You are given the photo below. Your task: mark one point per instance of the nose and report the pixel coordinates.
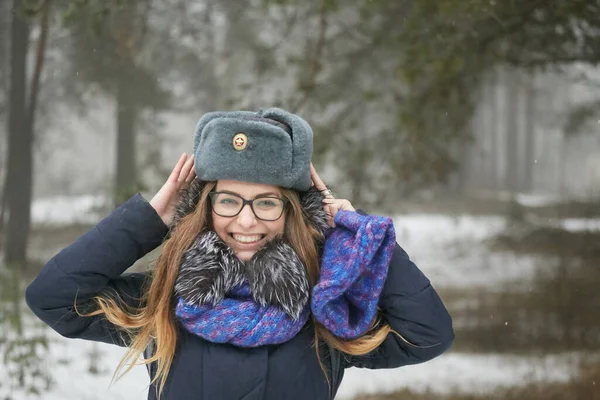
(246, 218)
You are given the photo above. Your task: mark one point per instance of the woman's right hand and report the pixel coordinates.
(166, 199)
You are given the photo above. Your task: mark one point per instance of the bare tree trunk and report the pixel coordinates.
(18, 175)
(530, 118)
(495, 130)
(472, 169)
(129, 32)
(4, 71)
(486, 130)
(4, 37)
(39, 66)
(125, 172)
(4, 80)
(19, 179)
(512, 132)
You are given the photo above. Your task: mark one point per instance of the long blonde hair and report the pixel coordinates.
(155, 319)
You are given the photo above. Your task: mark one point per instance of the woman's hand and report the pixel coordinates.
(166, 199)
(331, 205)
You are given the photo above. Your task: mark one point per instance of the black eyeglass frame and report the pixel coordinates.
(245, 202)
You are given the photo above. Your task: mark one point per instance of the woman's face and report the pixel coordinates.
(244, 233)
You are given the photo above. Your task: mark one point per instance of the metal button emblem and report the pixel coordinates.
(240, 141)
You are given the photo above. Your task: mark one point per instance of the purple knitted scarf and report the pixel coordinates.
(238, 319)
(267, 300)
(353, 270)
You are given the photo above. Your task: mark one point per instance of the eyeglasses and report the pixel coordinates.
(268, 208)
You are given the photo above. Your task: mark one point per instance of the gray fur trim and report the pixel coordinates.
(209, 269)
(188, 200)
(312, 209)
(278, 277)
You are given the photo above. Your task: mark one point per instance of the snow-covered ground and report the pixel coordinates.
(447, 248)
(63, 210)
(464, 373)
(68, 361)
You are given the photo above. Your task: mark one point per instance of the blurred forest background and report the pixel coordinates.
(481, 114)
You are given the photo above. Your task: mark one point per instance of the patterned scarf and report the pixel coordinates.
(266, 300)
(224, 300)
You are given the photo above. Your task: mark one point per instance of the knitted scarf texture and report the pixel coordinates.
(267, 299)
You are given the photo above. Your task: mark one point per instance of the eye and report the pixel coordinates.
(228, 200)
(267, 203)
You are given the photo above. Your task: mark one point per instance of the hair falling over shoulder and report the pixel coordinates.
(155, 319)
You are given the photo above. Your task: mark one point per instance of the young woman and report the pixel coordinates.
(267, 287)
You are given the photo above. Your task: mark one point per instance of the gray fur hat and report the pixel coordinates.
(272, 147)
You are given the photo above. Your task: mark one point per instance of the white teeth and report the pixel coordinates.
(247, 239)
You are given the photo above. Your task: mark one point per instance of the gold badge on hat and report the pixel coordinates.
(240, 141)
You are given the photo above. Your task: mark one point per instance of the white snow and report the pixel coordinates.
(68, 361)
(450, 372)
(450, 251)
(64, 210)
(465, 373)
(580, 224)
(525, 199)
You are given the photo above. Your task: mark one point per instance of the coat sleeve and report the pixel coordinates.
(94, 264)
(414, 310)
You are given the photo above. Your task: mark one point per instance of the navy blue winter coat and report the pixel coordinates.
(203, 370)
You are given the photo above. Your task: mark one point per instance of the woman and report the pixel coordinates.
(267, 287)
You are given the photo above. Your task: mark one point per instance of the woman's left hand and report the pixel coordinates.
(331, 205)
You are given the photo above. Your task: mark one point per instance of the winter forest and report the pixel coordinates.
(474, 124)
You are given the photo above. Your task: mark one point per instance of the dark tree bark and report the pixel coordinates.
(496, 131)
(125, 173)
(21, 128)
(530, 117)
(512, 132)
(18, 175)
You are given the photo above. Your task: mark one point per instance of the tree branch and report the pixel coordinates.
(39, 62)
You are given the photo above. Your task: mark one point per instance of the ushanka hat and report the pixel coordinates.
(271, 146)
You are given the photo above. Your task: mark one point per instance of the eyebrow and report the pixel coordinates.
(258, 195)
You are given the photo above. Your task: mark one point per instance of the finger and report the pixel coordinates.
(330, 200)
(336, 200)
(316, 179)
(174, 176)
(338, 204)
(329, 216)
(332, 211)
(191, 175)
(185, 170)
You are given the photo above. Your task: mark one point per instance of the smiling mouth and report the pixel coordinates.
(247, 239)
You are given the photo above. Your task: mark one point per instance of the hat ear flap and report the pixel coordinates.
(302, 141)
(188, 201)
(312, 209)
